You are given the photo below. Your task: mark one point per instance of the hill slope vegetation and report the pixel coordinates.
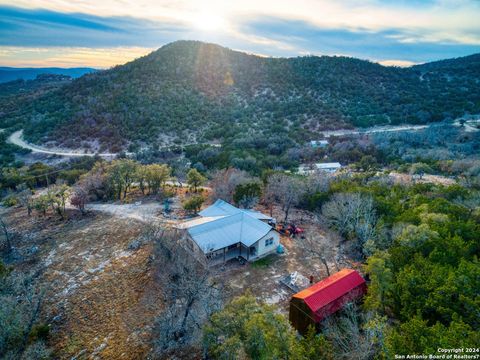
(189, 90)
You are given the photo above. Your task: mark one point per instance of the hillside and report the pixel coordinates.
(12, 73)
(192, 91)
(14, 95)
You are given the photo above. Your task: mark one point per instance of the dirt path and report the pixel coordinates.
(143, 212)
(379, 129)
(434, 179)
(17, 139)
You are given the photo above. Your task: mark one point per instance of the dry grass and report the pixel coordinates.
(100, 297)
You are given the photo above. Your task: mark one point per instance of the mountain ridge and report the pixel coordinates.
(189, 90)
(30, 73)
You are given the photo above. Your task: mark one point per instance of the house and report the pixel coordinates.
(327, 167)
(223, 232)
(319, 143)
(312, 305)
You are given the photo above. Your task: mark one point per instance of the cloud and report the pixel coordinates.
(377, 46)
(39, 27)
(404, 31)
(442, 20)
(399, 63)
(69, 56)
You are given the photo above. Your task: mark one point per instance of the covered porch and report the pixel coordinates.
(231, 252)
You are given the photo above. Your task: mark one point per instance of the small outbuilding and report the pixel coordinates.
(312, 305)
(307, 169)
(319, 143)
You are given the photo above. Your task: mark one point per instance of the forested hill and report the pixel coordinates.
(197, 91)
(11, 73)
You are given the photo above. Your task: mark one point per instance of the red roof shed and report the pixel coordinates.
(312, 305)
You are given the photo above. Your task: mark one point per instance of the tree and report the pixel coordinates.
(368, 163)
(286, 190)
(419, 169)
(7, 236)
(195, 179)
(320, 247)
(95, 183)
(415, 336)
(314, 346)
(224, 183)
(190, 294)
(353, 334)
(121, 175)
(79, 198)
(57, 197)
(246, 327)
(381, 282)
(141, 177)
(25, 198)
(194, 203)
(41, 204)
(247, 195)
(352, 215)
(156, 176)
(20, 306)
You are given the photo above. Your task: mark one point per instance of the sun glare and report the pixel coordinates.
(208, 21)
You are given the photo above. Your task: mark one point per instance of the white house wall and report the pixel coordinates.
(260, 244)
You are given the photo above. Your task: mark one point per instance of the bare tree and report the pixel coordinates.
(79, 198)
(95, 181)
(352, 215)
(7, 242)
(320, 247)
(355, 335)
(225, 182)
(190, 293)
(25, 197)
(285, 190)
(319, 181)
(20, 305)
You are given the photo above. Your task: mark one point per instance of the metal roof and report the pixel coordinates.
(328, 165)
(330, 289)
(228, 230)
(223, 208)
(256, 214)
(321, 142)
(197, 221)
(219, 208)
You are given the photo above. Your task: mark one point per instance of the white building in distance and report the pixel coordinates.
(307, 169)
(319, 143)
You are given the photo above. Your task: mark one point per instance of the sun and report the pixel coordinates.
(208, 21)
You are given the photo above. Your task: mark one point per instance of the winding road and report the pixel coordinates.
(16, 138)
(379, 129)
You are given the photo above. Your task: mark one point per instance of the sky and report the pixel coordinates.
(104, 33)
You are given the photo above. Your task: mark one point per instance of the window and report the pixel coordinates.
(269, 242)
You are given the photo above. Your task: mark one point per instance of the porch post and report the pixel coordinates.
(248, 252)
(224, 254)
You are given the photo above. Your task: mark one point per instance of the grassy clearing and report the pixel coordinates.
(263, 262)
